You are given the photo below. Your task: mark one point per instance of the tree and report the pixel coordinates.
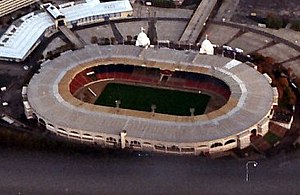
(287, 99)
(296, 25)
(283, 82)
(94, 40)
(129, 38)
(102, 41)
(164, 3)
(49, 55)
(265, 64)
(106, 41)
(273, 21)
(113, 40)
(288, 71)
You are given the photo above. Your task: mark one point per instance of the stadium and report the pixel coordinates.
(62, 98)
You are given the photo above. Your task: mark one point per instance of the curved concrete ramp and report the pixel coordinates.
(196, 23)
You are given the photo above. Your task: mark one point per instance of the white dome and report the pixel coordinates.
(142, 40)
(207, 47)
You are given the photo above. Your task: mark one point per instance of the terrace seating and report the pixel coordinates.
(191, 84)
(175, 82)
(86, 77)
(101, 76)
(80, 79)
(74, 87)
(129, 73)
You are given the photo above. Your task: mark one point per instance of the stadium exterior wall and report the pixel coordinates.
(237, 140)
(240, 141)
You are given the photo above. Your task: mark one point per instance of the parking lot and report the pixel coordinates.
(290, 8)
(12, 76)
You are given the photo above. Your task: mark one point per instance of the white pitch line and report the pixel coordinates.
(92, 92)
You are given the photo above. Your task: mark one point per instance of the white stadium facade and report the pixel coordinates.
(53, 96)
(247, 110)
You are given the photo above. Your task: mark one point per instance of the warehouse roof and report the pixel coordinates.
(20, 37)
(89, 9)
(23, 35)
(9, 6)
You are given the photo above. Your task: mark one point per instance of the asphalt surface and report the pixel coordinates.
(287, 8)
(36, 172)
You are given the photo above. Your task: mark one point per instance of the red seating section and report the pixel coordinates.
(82, 79)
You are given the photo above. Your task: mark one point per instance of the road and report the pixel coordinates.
(260, 32)
(36, 172)
(198, 21)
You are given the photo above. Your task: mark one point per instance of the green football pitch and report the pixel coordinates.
(167, 101)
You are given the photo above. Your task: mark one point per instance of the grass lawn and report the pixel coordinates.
(141, 98)
(271, 138)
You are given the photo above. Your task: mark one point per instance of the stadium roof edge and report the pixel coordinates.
(244, 110)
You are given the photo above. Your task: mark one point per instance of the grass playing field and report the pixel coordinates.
(141, 98)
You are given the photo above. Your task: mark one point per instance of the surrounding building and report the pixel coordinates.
(9, 6)
(23, 36)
